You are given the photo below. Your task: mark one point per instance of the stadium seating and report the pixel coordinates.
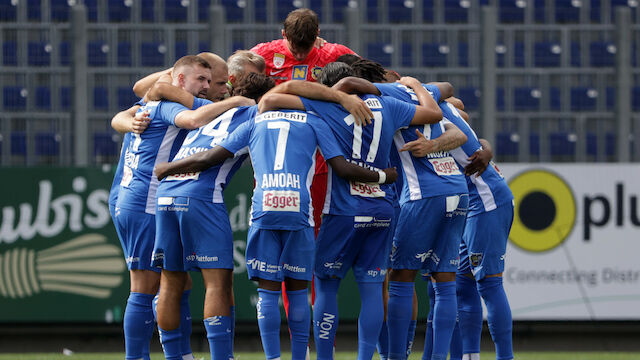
(43, 98)
(104, 145)
(526, 99)
(8, 11)
(14, 98)
(583, 98)
(100, 98)
(37, 54)
(10, 53)
(18, 143)
(152, 54)
(126, 97)
(47, 144)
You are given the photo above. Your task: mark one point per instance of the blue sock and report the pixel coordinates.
(299, 319)
(171, 343)
(428, 336)
(399, 311)
(383, 342)
(269, 321)
(325, 316)
(185, 323)
(498, 315)
(455, 349)
(218, 330)
(411, 335)
(469, 314)
(370, 318)
(233, 330)
(138, 325)
(444, 318)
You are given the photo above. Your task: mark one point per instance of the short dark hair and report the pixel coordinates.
(253, 85)
(334, 72)
(348, 58)
(369, 70)
(301, 28)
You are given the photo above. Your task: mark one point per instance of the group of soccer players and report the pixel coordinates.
(393, 180)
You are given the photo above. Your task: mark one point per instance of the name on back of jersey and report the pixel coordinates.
(373, 103)
(188, 150)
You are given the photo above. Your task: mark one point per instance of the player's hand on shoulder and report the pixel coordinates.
(392, 175)
(243, 101)
(421, 146)
(360, 111)
(410, 82)
(478, 162)
(161, 170)
(140, 122)
(320, 42)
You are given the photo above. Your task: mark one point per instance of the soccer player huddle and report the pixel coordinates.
(385, 168)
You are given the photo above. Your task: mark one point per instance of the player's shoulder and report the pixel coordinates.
(335, 50)
(267, 48)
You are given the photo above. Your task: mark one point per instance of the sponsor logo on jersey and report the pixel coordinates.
(281, 115)
(475, 259)
(299, 72)
(445, 166)
(278, 60)
(315, 72)
(366, 189)
(275, 72)
(276, 200)
(185, 176)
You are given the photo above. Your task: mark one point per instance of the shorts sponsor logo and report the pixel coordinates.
(370, 222)
(333, 265)
(475, 259)
(201, 258)
(366, 190)
(376, 272)
(275, 200)
(256, 264)
(428, 255)
(131, 259)
(445, 166)
(293, 268)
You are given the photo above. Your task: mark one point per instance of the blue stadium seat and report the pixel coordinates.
(574, 56)
(555, 96)
(118, 11)
(561, 144)
(511, 11)
(8, 11)
(434, 55)
(150, 54)
(47, 144)
(100, 98)
(611, 98)
(10, 53)
(456, 11)
(18, 143)
(13, 98)
(546, 54)
(505, 144)
(234, 13)
(534, 144)
(34, 12)
(566, 12)
(283, 8)
(103, 145)
(37, 54)
(60, 10)
(124, 54)
(500, 98)
(602, 53)
(126, 98)
(583, 99)
(372, 11)
(204, 46)
(174, 11)
(261, 10)
(470, 97)
(180, 49)
(96, 55)
(237, 45)
(526, 99)
(635, 99)
(65, 53)
(463, 54)
(380, 52)
(427, 11)
(43, 98)
(92, 10)
(609, 144)
(407, 55)
(66, 95)
(398, 12)
(518, 54)
(316, 6)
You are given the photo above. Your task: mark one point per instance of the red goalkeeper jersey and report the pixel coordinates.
(281, 66)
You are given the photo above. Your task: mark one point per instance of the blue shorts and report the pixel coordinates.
(137, 231)
(484, 242)
(276, 254)
(428, 234)
(192, 234)
(361, 242)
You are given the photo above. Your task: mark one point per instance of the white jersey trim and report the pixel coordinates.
(310, 174)
(221, 179)
(411, 177)
(164, 151)
(484, 191)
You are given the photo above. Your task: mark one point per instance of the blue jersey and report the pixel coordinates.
(208, 185)
(115, 186)
(158, 143)
(488, 191)
(433, 175)
(367, 146)
(282, 145)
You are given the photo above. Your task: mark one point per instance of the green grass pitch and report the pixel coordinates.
(339, 356)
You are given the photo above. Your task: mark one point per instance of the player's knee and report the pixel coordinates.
(444, 276)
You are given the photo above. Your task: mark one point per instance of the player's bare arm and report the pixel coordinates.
(196, 162)
(164, 90)
(356, 85)
(428, 112)
(452, 138)
(310, 90)
(446, 89)
(353, 172)
(143, 85)
(458, 104)
(479, 160)
(193, 119)
(128, 121)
